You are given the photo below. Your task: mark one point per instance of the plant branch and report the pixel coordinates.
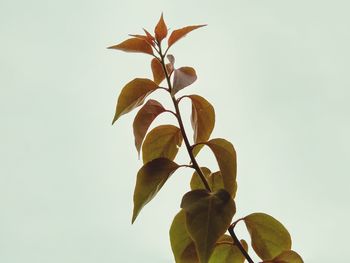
(189, 150)
(239, 245)
(181, 125)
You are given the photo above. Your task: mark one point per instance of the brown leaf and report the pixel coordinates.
(157, 70)
(135, 44)
(183, 77)
(202, 120)
(161, 29)
(144, 119)
(180, 33)
(133, 95)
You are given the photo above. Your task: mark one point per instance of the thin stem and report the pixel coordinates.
(189, 150)
(239, 245)
(181, 125)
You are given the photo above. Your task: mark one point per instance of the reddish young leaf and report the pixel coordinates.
(133, 95)
(183, 77)
(150, 179)
(208, 215)
(180, 33)
(144, 119)
(161, 30)
(269, 237)
(162, 141)
(157, 70)
(202, 120)
(136, 45)
(148, 34)
(145, 38)
(225, 155)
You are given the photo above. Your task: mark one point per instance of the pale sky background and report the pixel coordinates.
(275, 71)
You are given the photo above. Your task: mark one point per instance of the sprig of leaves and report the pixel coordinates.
(198, 231)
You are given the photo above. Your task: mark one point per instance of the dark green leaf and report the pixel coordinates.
(208, 215)
(150, 179)
(162, 141)
(133, 95)
(269, 237)
(144, 119)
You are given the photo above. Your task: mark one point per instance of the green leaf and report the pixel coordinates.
(150, 179)
(134, 45)
(202, 120)
(289, 256)
(162, 141)
(226, 252)
(183, 77)
(180, 33)
(214, 180)
(157, 71)
(144, 119)
(208, 215)
(182, 245)
(161, 29)
(269, 237)
(225, 155)
(133, 95)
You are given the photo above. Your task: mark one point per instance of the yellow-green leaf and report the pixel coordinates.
(144, 119)
(150, 179)
(208, 215)
(288, 256)
(225, 155)
(135, 45)
(214, 180)
(162, 141)
(157, 71)
(180, 33)
(183, 77)
(133, 95)
(161, 30)
(269, 237)
(182, 245)
(202, 120)
(226, 252)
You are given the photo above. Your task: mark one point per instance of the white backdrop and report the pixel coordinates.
(276, 72)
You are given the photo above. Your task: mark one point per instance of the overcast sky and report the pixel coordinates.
(277, 73)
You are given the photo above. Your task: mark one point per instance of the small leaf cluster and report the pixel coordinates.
(198, 233)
